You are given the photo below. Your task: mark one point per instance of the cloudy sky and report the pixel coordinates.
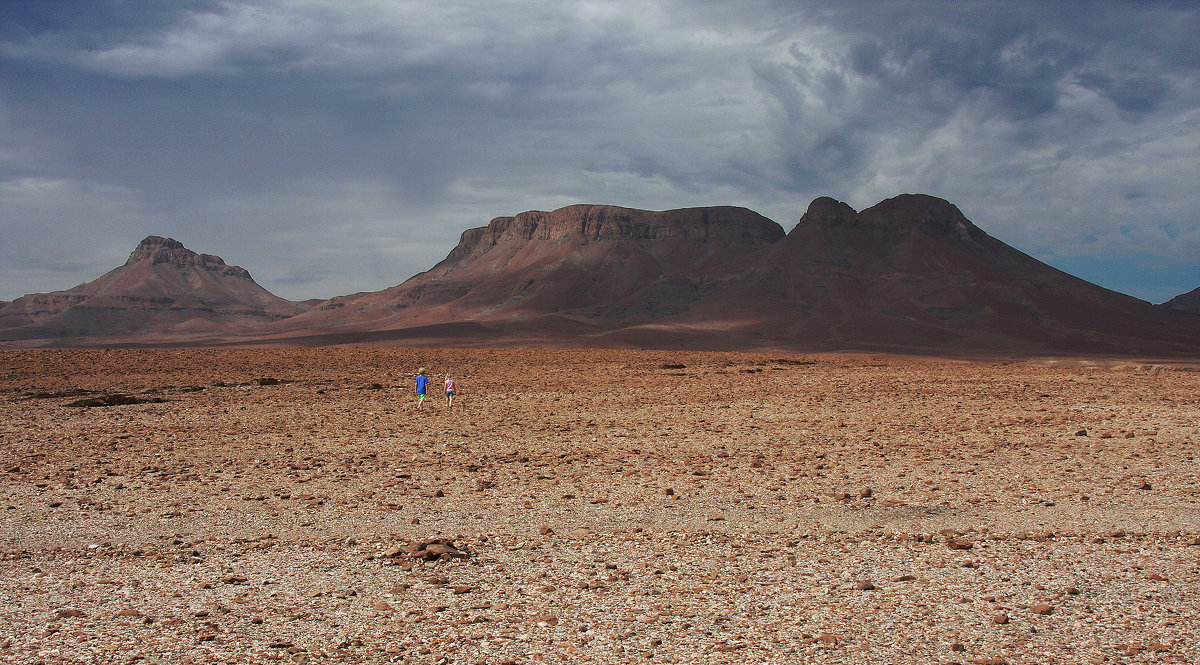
(334, 146)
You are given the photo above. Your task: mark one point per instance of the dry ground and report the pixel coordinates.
(614, 506)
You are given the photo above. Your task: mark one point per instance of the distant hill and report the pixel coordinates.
(164, 291)
(909, 274)
(1187, 302)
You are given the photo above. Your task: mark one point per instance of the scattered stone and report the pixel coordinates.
(436, 548)
(1042, 609)
(1000, 618)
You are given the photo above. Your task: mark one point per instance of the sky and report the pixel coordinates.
(334, 146)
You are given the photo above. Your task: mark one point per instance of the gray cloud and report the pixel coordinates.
(334, 147)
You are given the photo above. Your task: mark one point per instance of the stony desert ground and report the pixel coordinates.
(276, 505)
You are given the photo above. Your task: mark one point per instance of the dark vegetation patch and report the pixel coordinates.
(114, 399)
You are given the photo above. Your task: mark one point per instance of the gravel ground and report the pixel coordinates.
(596, 506)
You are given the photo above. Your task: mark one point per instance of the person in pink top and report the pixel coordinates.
(449, 391)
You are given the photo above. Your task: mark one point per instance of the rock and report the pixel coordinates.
(865, 585)
(68, 613)
(1042, 609)
(436, 548)
(1000, 618)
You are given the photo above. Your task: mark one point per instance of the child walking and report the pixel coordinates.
(422, 386)
(449, 391)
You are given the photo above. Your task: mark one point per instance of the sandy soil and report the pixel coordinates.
(609, 506)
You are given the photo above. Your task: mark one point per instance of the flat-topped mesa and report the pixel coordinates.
(588, 223)
(157, 249)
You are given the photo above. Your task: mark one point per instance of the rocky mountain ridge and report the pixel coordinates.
(911, 274)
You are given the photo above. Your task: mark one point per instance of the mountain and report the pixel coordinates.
(163, 291)
(912, 272)
(1187, 302)
(909, 274)
(577, 271)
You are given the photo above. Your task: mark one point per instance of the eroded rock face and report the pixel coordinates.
(158, 250)
(588, 223)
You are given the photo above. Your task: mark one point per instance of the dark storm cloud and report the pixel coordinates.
(344, 146)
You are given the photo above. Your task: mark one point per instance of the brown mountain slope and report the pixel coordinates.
(163, 290)
(911, 273)
(1186, 302)
(574, 271)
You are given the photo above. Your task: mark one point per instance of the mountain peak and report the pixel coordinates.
(158, 250)
(933, 216)
(826, 211)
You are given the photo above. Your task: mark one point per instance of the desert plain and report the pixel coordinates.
(292, 505)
